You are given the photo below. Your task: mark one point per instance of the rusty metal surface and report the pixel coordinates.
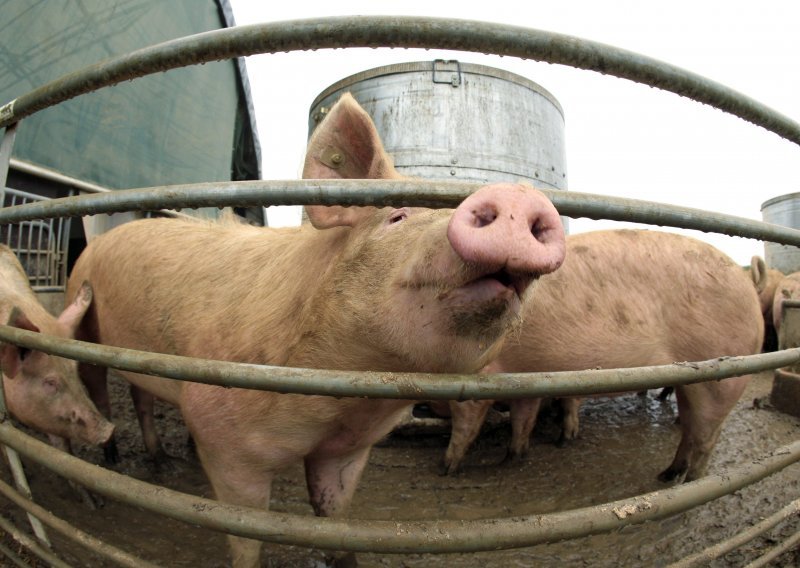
(402, 31)
(418, 386)
(439, 536)
(120, 557)
(385, 193)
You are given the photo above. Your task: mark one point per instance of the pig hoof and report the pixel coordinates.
(665, 392)
(110, 452)
(671, 475)
(163, 462)
(513, 457)
(449, 469)
(342, 560)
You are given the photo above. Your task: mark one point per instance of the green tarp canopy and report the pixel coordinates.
(188, 125)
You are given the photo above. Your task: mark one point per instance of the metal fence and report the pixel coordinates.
(40, 245)
(423, 536)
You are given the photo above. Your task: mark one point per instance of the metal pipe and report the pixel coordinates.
(13, 556)
(408, 32)
(57, 177)
(704, 557)
(420, 386)
(383, 193)
(788, 544)
(17, 471)
(6, 145)
(435, 536)
(32, 545)
(106, 550)
(21, 481)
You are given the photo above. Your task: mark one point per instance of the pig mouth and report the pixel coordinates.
(497, 286)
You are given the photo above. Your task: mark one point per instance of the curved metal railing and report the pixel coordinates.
(432, 536)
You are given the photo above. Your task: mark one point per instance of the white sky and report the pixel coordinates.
(622, 138)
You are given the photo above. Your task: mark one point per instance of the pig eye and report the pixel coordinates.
(51, 384)
(398, 215)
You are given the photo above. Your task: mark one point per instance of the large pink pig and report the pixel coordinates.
(41, 390)
(626, 299)
(404, 289)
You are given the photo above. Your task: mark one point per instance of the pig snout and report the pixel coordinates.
(511, 228)
(101, 432)
(87, 425)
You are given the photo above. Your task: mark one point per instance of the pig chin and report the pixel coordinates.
(487, 320)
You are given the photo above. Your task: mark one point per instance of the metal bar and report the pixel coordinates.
(13, 556)
(85, 539)
(52, 175)
(403, 386)
(32, 545)
(6, 145)
(402, 536)
(704, 557)
(384, 193)
(57, 177)
(17, 471)
(786, 545)
(401, 31)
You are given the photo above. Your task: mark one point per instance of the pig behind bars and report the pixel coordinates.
(626, 299)
(44, 391)
(787, 288)
(389, 289)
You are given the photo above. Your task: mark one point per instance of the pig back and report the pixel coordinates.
(628, 298)
(207, 290)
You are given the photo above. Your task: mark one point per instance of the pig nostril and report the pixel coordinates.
(484, 216)
(538, 231)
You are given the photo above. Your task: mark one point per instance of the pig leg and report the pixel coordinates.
(702, 409)
(331, 481)
(523, 418)
(248, 487)
(144, 403)
(96, 380)
(466, 419)
(570, 421)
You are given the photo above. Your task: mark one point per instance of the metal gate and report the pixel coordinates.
(411, 536)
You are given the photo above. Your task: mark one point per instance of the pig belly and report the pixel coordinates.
(168, 390)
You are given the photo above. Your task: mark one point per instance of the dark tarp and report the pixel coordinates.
(188, 125)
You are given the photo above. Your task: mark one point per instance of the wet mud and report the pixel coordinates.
(624, 443)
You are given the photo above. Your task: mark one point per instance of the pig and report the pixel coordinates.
(628, 298)
(787, 288)
(41, 390)
(384, 289)
(766, 281)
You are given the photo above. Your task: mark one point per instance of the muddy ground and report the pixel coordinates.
(624, 443)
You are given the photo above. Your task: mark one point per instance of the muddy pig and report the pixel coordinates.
(630, 298)
(44, 391)
(385, 289)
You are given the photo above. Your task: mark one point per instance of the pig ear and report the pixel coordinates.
(73, 314)
(12, 356)
(345, 145)
(758, 272)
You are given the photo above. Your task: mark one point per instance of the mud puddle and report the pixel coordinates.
(624, 443)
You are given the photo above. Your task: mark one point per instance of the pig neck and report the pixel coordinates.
(329, 335)
(17, 293)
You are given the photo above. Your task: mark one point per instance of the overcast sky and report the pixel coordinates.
(622, 138)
